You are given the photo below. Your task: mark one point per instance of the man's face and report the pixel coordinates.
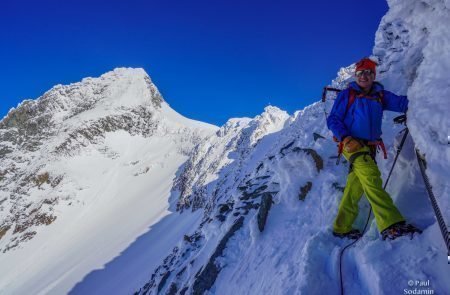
(365, 78)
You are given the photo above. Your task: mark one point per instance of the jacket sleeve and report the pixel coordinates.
(395, 103)
(335, 120)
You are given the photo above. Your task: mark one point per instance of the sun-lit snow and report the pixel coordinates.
(147, 204)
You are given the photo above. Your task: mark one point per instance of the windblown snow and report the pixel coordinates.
(107, 190)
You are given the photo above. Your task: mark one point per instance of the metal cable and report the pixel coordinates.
(434, 204)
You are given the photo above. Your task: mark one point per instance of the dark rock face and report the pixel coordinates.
(316, 157)
(224, 208)
(172, 290)
(205, 278)
(254, 194)
(3, 230)
(338, 187)
(184, 290)
(136, 121)
(286, 147)
(163, 281)
(266, 204)
(304, 190)
(317, 136)
(157, 99)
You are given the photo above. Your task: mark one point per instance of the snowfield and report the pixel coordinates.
(104, 189)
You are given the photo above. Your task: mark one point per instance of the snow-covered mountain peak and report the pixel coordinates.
(271, 120)
(133, 86)
(233, 125)
(89, 99)
(273, 113)
(124, 72)
(102, 146)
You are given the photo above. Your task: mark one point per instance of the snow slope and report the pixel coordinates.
(94, 178)
(246, 244)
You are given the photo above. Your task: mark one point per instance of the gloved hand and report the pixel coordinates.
(351, 145)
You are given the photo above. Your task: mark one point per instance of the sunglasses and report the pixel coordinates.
(363, 73)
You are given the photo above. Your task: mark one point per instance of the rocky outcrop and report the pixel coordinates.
(304, 190)
(207, 276)
(266, 204)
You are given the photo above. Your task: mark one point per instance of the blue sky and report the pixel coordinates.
(211, 60)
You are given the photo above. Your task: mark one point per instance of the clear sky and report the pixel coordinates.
(211, 60)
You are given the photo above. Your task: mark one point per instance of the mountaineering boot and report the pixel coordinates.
(354, 234)
(399, 229)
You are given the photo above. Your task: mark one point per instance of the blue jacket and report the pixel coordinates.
(363, 118)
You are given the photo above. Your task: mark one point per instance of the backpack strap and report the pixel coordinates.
(351, 100)
(381, 96)
(378, 96)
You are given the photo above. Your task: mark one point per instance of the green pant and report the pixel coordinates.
(365, 178)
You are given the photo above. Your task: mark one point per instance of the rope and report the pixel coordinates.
(437, 211)
(399, 149)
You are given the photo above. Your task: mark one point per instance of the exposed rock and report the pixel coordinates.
(221, 217)
(316, 157)
(286, 147)
(136, 121)
(163, 281)
(181, 271)
(41, 218)
(249, 206)
(187, 238)
(3, 230)
(266, 204)
(27, 236)
(207, 276)
(338, 187)
(256, 193)
(225, 208)
(261, 165)
(317, 136)
(304, 190)
(42, 178)
(172, 290)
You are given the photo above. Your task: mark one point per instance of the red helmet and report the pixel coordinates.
(365, 64)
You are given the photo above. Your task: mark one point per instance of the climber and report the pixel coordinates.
(355, 121)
